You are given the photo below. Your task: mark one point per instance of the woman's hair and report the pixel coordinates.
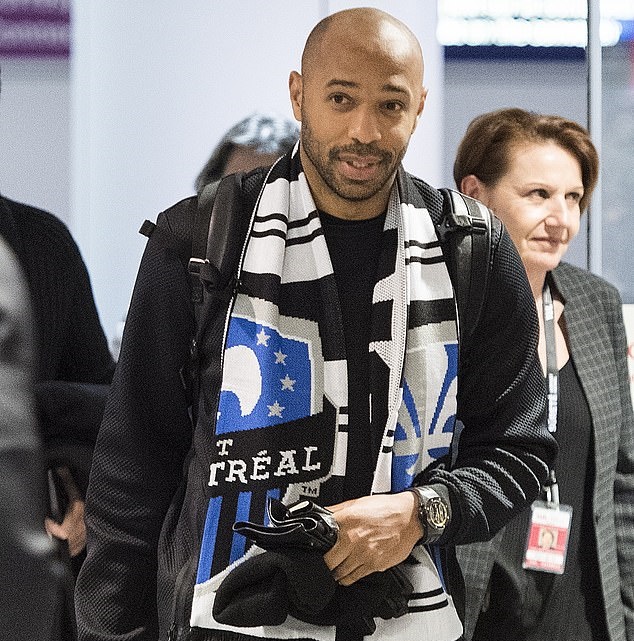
(486, 147)
(261, 133)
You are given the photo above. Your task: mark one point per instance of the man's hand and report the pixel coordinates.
(375, 533)
(72, 528)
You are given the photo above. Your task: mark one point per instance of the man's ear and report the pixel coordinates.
(296, 89)
(472, 186)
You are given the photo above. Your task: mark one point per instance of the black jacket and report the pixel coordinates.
(73, 366)
(144, 510)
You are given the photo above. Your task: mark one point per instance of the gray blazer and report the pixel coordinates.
(594, 318)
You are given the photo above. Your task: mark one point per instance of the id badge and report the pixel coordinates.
(547, 540)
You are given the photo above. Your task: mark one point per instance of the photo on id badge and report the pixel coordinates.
(547, 539)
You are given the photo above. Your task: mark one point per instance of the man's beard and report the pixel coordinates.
(345, 188)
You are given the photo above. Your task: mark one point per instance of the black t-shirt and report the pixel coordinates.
(355, 247)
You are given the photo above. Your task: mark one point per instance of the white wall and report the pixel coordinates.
(156, 83)
(35, 133)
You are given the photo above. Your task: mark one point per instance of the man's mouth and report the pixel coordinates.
(359, 168)
(360, 162)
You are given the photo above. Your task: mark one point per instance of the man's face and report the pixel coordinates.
(358, 108)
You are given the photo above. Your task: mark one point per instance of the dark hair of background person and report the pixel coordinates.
(263, 136)
(485, 148)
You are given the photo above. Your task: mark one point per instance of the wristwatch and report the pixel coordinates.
(434, 513)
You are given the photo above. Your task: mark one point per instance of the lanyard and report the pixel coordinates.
(552, 381)
(552, 373)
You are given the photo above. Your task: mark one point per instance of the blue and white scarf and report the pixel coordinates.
(282, 420)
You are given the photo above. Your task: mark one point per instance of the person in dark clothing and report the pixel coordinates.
(331, 376)
(32, 589)
(71, 378)
(73, 363)
(537, 172)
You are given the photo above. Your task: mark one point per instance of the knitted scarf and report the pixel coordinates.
(282, 419)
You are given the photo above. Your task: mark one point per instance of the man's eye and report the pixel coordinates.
(393, 106)
(339, 99)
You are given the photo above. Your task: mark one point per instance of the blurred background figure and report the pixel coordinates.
(32, 578)
(257, 141)
(73, 364)
(72, 370)
(537, 173)
(71, 373)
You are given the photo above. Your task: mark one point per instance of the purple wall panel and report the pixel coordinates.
(34, 28)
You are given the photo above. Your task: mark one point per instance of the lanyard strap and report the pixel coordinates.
(552, 381)
(552, 373)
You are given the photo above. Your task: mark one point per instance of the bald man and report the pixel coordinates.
(328, 377)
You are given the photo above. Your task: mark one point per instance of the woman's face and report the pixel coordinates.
(538, 201)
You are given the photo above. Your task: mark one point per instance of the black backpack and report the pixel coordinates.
(465, 230)
(465, 233)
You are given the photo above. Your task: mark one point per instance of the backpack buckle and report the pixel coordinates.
(194, 268)
(478, 224)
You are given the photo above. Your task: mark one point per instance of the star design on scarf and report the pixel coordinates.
(276, 409)
(287, 383)
(263, 338)
(280, 357)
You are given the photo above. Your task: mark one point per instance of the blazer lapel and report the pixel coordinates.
(591, 353)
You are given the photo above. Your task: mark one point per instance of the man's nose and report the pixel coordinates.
(364, 126)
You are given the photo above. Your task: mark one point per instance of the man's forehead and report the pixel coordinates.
(394, 84)
(363, 61)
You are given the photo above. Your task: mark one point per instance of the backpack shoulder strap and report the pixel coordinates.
(222, 215)
(220, 226)
(200, 235)
(466, 232)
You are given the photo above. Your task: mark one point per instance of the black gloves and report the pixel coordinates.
(302, 525)
(266, 588)
(291, 577)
